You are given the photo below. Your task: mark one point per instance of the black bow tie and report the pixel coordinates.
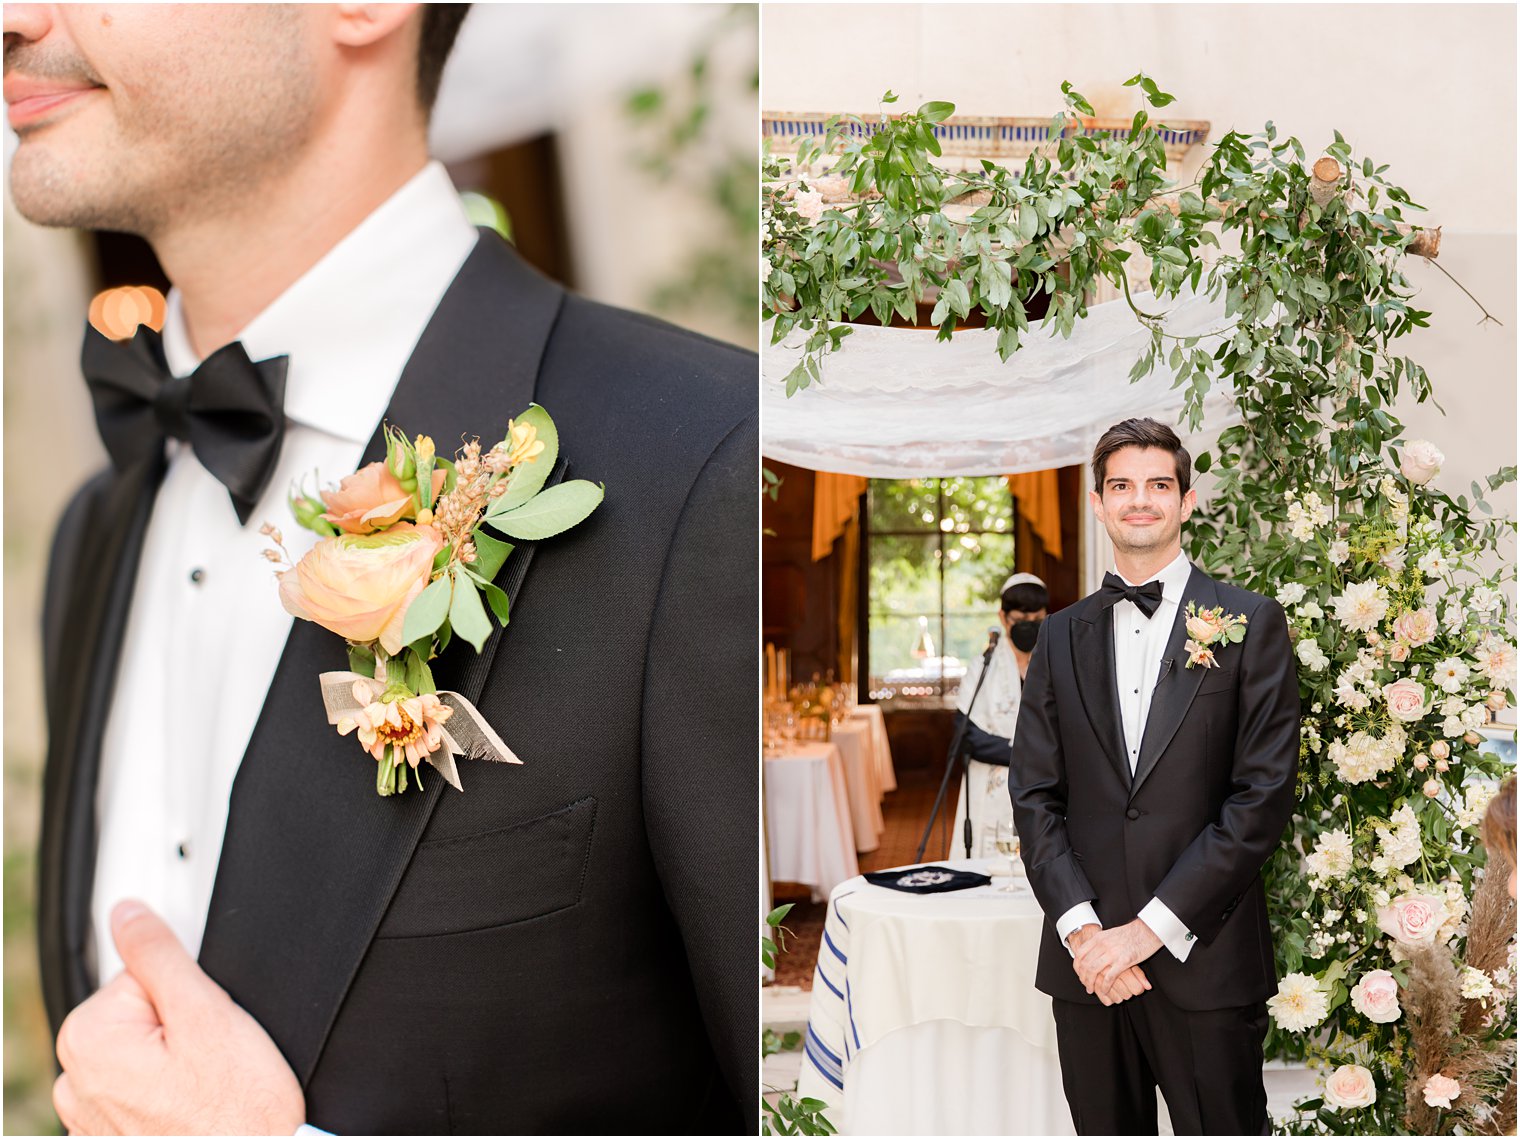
(230, 410)
(1147, 597)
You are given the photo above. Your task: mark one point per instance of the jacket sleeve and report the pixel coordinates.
(1037, 783)
(1220, 864)
(983, 745)
(700, 747)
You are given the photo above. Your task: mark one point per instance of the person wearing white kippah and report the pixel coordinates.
(989, 735)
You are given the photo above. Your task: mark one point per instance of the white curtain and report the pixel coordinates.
(897, 403)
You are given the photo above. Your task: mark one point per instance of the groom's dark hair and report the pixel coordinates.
(1142, 433)
(440, 27)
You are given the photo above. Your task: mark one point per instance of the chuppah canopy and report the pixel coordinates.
(897, 403)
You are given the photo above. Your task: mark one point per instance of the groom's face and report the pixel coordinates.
(130, 116)
(1141, 504)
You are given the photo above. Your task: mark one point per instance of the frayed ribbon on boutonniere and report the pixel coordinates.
(404, 566)
(413, 724)
(1207, 628)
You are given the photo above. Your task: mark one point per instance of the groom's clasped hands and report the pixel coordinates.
(1107, 961)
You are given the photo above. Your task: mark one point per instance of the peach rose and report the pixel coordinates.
(1400, 652)
(1440, 749)
(1441, 1090)
(1406, 700)
(1350, 1085)
(1421, 462)
(1376, 997)
(359, 586)
(1204, 628)
(1412, 919)
(1416, 628)
(371, 499)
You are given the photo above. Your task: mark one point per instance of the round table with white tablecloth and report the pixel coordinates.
(809, 835)
(856, 741)
(873, 715)
(924, 1016)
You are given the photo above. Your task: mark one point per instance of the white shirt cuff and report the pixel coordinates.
(1168, 927)
(1074, 919)
(306, 1130)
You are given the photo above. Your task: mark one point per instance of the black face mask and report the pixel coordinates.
(1024, 634)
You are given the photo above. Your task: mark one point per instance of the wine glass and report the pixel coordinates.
(1008, 846)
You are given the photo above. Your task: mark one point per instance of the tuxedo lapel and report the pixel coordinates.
(312, 855)
(1092, 656)
(1177, 684)
(84, 645)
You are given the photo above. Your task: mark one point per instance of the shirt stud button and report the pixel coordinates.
(183, 850)
(197, 575)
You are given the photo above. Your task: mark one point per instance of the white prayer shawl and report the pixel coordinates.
(997, 705)
(997, 711)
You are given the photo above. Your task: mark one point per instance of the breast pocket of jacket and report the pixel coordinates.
(1216, 680)
(494, 878)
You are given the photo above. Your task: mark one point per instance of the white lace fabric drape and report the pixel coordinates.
(897, 403)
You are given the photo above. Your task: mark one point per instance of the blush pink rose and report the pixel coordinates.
(1440, 749)
(1406, 700)
(1376, 997)
(1350, 1085)
(1441, 1090)
(371, 499)
(1421, 461)
(1415, 628)
(359, 586)
(1412, 919)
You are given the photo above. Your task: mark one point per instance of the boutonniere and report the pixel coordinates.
(406, 564)
(1210, 627)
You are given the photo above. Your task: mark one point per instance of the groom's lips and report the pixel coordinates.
(30, 101)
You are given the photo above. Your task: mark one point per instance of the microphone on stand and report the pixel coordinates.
(993, 637)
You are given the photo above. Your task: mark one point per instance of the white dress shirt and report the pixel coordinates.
(1139, 645)
(206, 628)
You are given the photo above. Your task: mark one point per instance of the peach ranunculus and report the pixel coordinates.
(1415, 628)
(1350, 1086)
(371, 499)
(359, 585)
(1412, 919)
(413, 724)
(1406, 700)
(1376, 997)
(1203, 627)
(1440, 1090)
(1421, 461)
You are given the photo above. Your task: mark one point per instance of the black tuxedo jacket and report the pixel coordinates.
(1212, 791)
(566, 946)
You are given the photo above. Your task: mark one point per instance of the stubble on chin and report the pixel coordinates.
(200, 143)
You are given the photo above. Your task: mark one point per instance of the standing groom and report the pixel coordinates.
(1149, 787)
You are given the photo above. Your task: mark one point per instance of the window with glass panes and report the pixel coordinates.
(936, 552)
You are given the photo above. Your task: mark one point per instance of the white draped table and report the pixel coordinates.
(856, 740)
(809, 834)
(872, 714)
(924, 1017)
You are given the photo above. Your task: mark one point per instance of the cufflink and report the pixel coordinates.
(1189, 937)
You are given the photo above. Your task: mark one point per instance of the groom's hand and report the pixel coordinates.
(1108, 953)
(163, 1050)
(1130, 983)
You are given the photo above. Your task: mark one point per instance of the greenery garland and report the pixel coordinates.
(1396, 592)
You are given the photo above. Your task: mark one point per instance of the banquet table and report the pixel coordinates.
(924, 1018)
(856, 740)
(809, 834)
(872, 714)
